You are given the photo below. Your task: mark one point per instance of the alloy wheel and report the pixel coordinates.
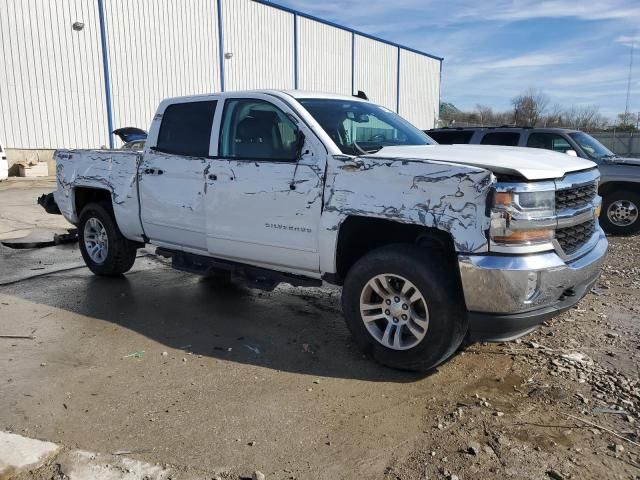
(622, 213)
(96, 240)
(394, 311)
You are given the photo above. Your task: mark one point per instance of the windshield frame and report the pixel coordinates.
(384, 115)
(606, 153)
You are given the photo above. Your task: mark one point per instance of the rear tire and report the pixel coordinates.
(621, 213)
(104, 249)
(416, 331)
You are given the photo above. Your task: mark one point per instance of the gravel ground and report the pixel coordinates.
(224, 381)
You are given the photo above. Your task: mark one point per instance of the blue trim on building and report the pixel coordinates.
(105, 68)
(398, 84)
(295, 51)
(342, 27)
(220, 45)
(437, 112)
(353, 63)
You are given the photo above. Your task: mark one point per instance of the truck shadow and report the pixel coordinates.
(290, 329)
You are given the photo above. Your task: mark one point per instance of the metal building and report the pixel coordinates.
(72, 71)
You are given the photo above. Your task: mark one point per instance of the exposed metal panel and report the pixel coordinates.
(159, 49)
(324, 57)
(419, 89)
(260, 40)
(376, 71)
(51, 84)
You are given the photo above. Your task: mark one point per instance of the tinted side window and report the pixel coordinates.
(509, 139)
(186, 128)
(449, 138)
(549, 141)
(255, 129)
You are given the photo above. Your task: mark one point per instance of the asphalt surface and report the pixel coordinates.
(226, 380)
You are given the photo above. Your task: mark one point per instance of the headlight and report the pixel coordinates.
(521, 216)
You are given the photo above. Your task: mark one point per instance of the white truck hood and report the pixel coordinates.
(530, 163)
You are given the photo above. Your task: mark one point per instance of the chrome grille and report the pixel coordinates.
(576, 197)
(571, 239)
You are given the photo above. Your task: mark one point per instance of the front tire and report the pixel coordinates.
(104, 249)
(404, 307)
(621, 213)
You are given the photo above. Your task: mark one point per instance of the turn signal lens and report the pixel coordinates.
(503, 198)
(525, 237)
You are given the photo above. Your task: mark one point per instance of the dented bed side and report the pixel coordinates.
(114, 171)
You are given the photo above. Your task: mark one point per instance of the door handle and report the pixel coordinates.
(153, 171)
(213, 177)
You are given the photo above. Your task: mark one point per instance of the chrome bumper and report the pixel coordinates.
(498, 284)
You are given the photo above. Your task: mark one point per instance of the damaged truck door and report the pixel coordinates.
(172, 174)
(267, 209)
(430, 243)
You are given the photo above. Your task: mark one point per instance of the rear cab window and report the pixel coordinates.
(507, 139)
(451, 138)
(186, 128)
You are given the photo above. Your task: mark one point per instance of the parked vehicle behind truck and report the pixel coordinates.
(429, 243)
(619, 177)
(4, 164)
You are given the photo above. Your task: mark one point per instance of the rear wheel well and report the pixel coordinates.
(85, 195)
(360, 235)
(610, 187)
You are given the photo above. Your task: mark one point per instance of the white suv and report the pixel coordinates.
(4, 165)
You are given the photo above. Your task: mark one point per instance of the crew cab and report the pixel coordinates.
(430, 244)
(619, 176)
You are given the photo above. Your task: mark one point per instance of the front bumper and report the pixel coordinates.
(496, 296)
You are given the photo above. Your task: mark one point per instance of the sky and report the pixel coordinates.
(577, 52)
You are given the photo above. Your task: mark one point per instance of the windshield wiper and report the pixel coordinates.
(366, 152)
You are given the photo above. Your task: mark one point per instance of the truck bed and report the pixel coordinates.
(114, 171)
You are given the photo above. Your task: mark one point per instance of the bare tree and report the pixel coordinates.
(529, 107)
(586, 117)
(486, 115)
(554, 116)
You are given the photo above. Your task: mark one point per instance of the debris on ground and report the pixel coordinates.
(139, 354)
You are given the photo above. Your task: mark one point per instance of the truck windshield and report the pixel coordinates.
(591, 146)
(359, 128)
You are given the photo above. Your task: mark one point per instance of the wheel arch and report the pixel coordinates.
(358, 236)
(609, 187)
(82, 196)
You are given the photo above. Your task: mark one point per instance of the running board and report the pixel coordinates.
(255, 277)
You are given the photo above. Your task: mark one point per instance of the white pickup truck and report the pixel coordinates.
(430, 243)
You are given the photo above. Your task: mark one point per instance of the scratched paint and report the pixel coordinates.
(234, 216)
(448, 197)
(114, 171)
(282, 215)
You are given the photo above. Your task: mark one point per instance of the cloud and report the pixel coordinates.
(629, 40)
(589, 10)
(528, 61)
(577, 52)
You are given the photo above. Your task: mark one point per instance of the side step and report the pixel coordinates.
(255, 277)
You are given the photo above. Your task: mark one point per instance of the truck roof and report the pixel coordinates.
(504, 128)
(280, 93)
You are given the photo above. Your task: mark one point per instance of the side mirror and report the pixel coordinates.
(571, 153)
